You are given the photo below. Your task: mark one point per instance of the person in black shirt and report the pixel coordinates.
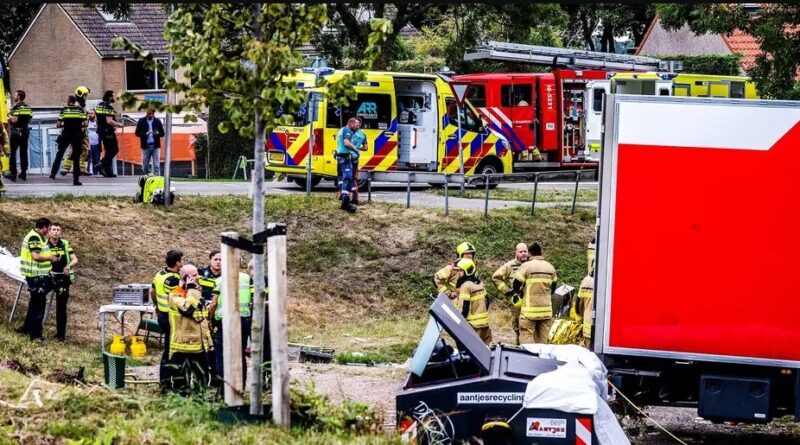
(209, 274)
(19, 118)
(72, 120)
(63, 274)
(106, 125)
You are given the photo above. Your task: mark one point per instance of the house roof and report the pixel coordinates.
(744, 44)
(144, 26)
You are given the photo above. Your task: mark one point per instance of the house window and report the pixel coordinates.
(140, 78)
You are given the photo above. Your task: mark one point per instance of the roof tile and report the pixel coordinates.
(745, 44)
(145, 26)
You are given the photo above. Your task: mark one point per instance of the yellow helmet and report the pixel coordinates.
(467, 265)
(82, 91)
(465, 247)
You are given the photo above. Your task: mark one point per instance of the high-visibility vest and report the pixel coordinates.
(207, 281)
(586, 293)
(538, 276)
(29, 267)
(163, 289)
(478, 315)
(245, 296)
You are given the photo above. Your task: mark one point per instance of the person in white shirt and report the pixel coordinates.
(94, 144)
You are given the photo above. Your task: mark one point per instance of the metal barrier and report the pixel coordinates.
(485, 180)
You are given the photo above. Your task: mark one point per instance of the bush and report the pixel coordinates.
(224, 149)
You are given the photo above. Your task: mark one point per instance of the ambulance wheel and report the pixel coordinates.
(137, 198)
(490, 166)
(301, 182)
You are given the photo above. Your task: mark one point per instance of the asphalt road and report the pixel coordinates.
(42, 186)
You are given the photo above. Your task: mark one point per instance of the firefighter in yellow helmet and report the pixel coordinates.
(474, 301)
(445, 278)
(503, 279)
(536, 282)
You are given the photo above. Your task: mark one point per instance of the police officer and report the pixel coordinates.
(19, 118)
(245, 316)
(35, 259)
(81, 94)
(208, 275)
(445, 278)
(106, 127)
(62, 274)
(163, 283)
(72, 120)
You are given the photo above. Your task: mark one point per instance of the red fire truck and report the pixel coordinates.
(547, 111)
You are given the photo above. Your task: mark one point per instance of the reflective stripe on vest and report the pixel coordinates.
(174, 316)
(29, 267)
(162, 290)
(478, 316)
(245, 296)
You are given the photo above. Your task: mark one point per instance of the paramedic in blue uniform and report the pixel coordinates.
(344, 154)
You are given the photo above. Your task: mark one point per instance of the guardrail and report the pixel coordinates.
(487, 181)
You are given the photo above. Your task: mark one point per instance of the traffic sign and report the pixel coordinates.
(459, 91)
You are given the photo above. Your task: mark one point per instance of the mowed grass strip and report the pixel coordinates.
(504, 194)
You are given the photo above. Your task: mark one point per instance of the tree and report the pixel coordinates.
(240, 54)
(16, 18)
(611, 20)
(774, 25)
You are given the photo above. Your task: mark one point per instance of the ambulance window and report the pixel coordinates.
(469, 121)
(663, 92)
(737, 90)
(597, 99)
(476, 94)
(374, 110)
(516, 95)
(298, 119)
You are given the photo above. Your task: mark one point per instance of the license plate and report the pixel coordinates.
(277, 158)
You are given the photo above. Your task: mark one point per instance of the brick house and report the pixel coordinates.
(658, 41)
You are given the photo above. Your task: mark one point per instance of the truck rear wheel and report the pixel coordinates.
(301, 182)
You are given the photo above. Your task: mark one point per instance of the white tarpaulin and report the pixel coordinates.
(9, 265)
(578, 386)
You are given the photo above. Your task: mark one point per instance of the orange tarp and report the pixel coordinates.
(130, 147)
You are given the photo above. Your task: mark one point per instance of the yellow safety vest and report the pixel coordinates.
(163, 289)
(478, 315)
(245, 296)
(29, 267)
(538, 276)
(586, 293)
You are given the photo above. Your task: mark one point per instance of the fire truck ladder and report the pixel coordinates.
(514, 52)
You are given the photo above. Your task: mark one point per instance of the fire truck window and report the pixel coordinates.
(516, 95)
(374, 110)
(476, 94)
(469, 121)
(597, 99)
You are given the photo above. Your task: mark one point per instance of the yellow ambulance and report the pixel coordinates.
(410, 121)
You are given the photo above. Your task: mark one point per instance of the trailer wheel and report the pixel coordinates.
(301, 182)
(490, 166)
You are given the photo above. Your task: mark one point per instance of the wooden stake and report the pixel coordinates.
(231, 324)
(276, 249)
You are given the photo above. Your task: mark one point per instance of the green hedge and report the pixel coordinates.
(715, 64)
(224, 149)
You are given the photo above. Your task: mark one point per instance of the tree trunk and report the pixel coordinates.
(607, 40)
(587, 32)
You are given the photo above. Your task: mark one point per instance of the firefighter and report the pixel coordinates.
(35, 259)
(72, 120)
(62, 274)
(503, 279)
(19, 118)
(81, 94)
(190, 337)
(106, 125)
(590, 253)
(474, 301)
(536, 282)
(445, 279)
(165, 280)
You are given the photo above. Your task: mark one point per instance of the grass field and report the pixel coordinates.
(357, 283)
(503, 194)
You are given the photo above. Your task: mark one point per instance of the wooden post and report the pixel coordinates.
(231, 324)
(276, 250)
